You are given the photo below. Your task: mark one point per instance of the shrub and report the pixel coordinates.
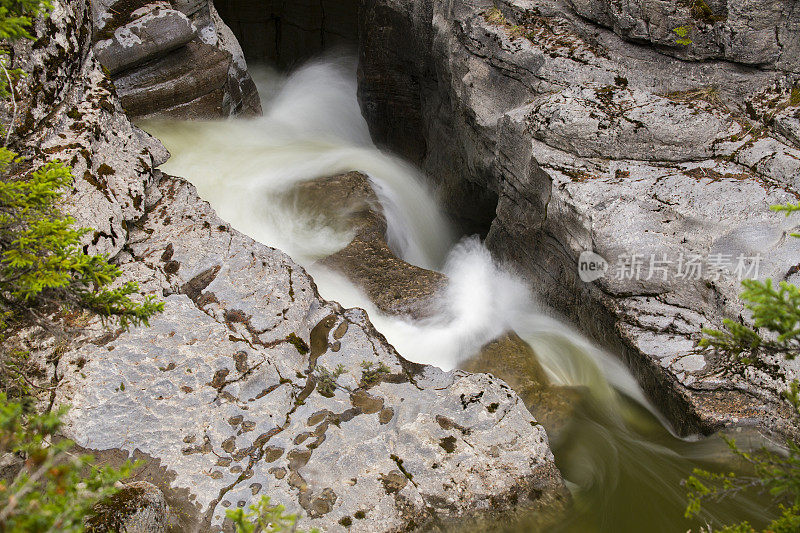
(54, 489)
(41, 261)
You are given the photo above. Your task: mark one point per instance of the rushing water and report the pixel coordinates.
(621, 462)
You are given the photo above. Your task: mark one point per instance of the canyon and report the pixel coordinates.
(549, 129)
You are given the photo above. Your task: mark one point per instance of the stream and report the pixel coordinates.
(622, 462)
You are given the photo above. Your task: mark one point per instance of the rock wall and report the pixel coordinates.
(173, 59)
(579, 139)
(286, 32)
(231, 393)
(750, 32)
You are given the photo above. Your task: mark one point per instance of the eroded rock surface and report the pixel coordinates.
(231, 388)
(576, 139)
(173, 59)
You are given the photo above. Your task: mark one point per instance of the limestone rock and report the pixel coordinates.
(621, 123)
(154, 34)
(350, 203)
(227, 389)
(511, 359)
(227, 392)
(112, 161)
(182, 54)
(752, 33)
(188, 83)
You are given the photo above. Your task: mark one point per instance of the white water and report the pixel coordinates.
(312, 127)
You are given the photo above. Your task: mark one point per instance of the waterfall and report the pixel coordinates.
(617, 453)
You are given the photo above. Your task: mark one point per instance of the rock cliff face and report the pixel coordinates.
(172, 59)
(249, 383)
(286, 32)
(555, 135)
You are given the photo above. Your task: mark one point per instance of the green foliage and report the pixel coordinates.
(776, 326)
(773, 473)
(264, 518)
(41, 261)
(54, 489)
(17, 16)
(326, 380)
(495, 16)
(371, 376)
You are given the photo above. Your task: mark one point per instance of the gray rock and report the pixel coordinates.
(287, 32)
(227, 389)
(620, 123)
(182, 53)
(752, 33)
(154, 34)
(787, 124)
(576, 140)
(188, 83)
(112, 161)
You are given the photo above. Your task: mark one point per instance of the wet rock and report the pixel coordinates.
(288, 32)
(187, 83)
(358, 443)
(511, 359)
(210, 425)
(349, 202)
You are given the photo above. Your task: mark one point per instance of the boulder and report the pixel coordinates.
(188, 83)
(349, 203)
(138, 507)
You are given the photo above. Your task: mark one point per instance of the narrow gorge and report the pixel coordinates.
(426, 265)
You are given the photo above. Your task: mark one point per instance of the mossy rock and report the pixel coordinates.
(139, 507)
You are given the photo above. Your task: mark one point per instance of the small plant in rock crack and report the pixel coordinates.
(372, 375)
(326, 380)
(264, 518)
